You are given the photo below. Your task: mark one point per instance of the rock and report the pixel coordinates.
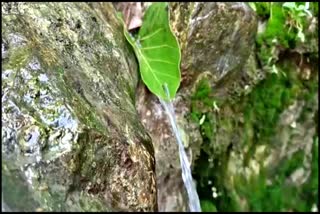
(132, 12)
(216, 40)
(71, 137)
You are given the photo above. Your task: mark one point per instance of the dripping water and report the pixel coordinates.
(194, 202)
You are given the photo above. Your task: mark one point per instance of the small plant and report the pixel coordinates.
(297, 16)
(286, 27)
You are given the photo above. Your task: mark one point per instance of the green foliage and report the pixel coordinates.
(201, 108)
(208, 206)
(288, 166)
(202, 113)
(262, 109)
(261, 8)
(199, 98)
(287, 30)
(267, 101)
(297, 14)
(264, 103)
(286, 27)
(276, 27)
(280, 195)
(158, 52)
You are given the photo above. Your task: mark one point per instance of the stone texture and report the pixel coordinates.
(71, 137)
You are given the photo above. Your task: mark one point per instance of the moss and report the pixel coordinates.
(18, 58)
(204, 113)
(279, 195)
(262, 109)
(83, 112)
(208, 206)
(267, 101)
(201, 100)
(202, 109)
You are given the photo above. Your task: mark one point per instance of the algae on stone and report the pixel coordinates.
(71, 136)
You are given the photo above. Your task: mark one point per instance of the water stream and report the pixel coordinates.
(194, 202)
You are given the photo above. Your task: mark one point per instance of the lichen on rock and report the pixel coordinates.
(71, 136)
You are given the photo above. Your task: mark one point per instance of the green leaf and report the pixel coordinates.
(253, 6)
(291, 5)
(301, 7)
(158, 52)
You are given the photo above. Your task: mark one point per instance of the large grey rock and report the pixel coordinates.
(216, 38)
(71, 137)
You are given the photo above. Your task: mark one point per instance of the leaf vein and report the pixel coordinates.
(168, 75)
(159, 46)
(151, 35)
(159, 60)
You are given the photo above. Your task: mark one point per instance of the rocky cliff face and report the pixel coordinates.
(82, 133)
(71, 137)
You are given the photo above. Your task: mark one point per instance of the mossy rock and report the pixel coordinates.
(71, 139)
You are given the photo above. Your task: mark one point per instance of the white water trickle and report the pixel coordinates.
(194, 202)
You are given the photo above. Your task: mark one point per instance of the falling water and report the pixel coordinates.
(194, 203)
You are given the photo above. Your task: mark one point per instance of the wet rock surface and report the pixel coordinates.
(71, 137)
(78, 136)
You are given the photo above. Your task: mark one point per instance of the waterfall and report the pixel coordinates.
(194, 202)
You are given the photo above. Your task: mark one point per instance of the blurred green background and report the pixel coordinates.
(275, 165)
